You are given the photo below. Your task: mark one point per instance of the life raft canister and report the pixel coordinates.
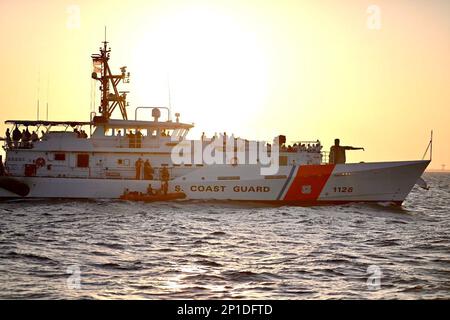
(40, 162)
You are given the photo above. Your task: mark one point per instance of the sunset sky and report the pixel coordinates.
(307, 69)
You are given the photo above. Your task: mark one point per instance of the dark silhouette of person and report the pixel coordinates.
(337, 152)
(34, 137)
(165, 179)
(8, 138)
(132, 138)
(150, 190)
(138, 166)
(148, 170)
(138, 139)
(17, 135)
(26, 136)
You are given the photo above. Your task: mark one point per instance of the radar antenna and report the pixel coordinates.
(111, 97)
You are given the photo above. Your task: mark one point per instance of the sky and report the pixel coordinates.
(375, 74)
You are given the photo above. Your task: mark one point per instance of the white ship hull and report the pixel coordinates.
(299, 185)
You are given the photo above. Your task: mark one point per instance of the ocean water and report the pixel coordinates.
(212, 250)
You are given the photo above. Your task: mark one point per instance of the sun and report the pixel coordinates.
(211, 68)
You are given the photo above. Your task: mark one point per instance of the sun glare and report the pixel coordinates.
(215, 69)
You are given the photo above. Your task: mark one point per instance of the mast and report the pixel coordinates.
(111, 97)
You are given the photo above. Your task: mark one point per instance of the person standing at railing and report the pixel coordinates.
(26, 136)
(17, 135)
(148, 170)
(138, 165)
(337, 152)
(8, 138)
(138, 139)
(34, 136)
(132, 139)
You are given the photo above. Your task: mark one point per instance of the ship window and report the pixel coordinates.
(123, 162)
(82, 160)
(60, 156)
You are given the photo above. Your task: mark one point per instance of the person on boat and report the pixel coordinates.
(26, 136)
(165, 179)
(138, 166)
(8, 138)
(132, 138)
(28, 133)
(34, 137)
(119, 133)
(224, 139)
(165, 187)
(337, 152)
(148, 170)
(318, 146)
(16, 136)
(138, 138)
(150, 191)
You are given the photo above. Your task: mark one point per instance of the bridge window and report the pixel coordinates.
(83, 161)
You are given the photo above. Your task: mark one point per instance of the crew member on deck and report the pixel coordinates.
(17, 135)
(148, 170)
(8, 138)
(26, 136)
(150, 190)
(337, 152)
(132, 139)
(138, 166)
(34, 137)
(138, 138)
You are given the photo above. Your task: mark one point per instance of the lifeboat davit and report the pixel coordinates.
(137, 196)
(15, 186)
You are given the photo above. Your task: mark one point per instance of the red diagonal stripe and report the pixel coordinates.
(309, 178)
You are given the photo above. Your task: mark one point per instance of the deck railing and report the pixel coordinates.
(325, 157)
